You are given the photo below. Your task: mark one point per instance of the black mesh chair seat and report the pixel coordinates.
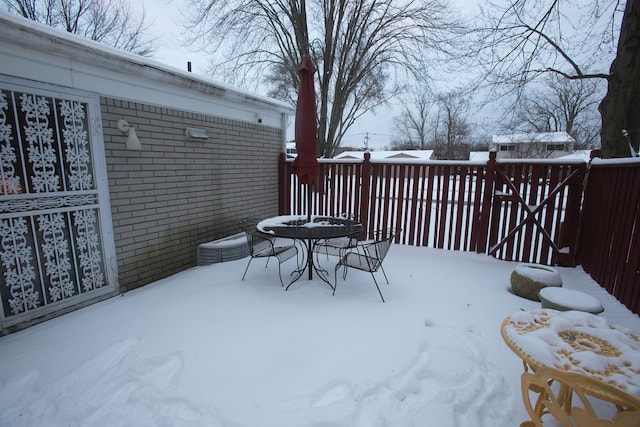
(262, 245)
(368, 257)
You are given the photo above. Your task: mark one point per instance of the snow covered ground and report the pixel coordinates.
(203, 348)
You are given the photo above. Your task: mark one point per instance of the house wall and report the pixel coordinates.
(158, 203)
(175, 193)
(528, 151)
(532, 145)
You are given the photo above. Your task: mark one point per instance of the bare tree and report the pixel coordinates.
(562, 105)
(398, 144)
(451, 130)
(412, 124)
(365, 50)
(108, 21)
(529, 38)
(36, 10)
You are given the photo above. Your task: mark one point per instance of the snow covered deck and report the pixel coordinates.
(205, 348)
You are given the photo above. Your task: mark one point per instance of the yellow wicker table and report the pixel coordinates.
(571, 358)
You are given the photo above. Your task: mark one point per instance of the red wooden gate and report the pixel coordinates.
(535, 210)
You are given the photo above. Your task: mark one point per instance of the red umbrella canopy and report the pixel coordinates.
(305, 165)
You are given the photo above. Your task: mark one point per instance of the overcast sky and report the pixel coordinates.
(168, 25)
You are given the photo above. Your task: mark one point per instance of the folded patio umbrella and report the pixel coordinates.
(305, 165)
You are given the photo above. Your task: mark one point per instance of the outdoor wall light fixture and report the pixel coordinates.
(195, 133)
(133, 143)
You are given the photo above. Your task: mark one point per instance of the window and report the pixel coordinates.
(291, 153)
(509, 147)
(555, 147)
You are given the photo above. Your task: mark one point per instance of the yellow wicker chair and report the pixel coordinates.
(563, 395)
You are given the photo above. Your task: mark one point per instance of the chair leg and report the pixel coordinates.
(280, 273)
(378, 287)
(319, 251)
(317, 255)
(384, 273)
(343, 252)
(247, 268)
(336, 279)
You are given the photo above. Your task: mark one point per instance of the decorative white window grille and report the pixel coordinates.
(52, 211)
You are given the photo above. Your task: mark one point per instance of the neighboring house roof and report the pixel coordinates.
(538, 137)
(375, 155)
(479, 156)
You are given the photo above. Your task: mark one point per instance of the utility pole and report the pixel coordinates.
(366, 141)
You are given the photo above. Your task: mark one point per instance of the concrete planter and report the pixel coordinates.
(528, 279)
(563, 299)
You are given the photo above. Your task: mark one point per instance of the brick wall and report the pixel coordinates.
(176, 193)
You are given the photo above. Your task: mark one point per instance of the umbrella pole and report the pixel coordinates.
(309, 253)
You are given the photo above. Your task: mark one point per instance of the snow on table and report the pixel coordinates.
(575, 341)
(267, 225)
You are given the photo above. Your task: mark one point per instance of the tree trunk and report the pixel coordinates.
(620, 108)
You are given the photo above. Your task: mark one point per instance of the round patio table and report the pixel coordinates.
(308, 230)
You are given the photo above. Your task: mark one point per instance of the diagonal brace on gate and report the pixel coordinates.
(531, 213)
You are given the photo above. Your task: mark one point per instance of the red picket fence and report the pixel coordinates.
(432, 204)
(609, 242)
(518, 210)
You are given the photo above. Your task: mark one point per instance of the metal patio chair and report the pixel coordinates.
(262, 245)
(336, 246)
(367, 256)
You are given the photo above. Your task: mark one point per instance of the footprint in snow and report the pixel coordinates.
(331, 393)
